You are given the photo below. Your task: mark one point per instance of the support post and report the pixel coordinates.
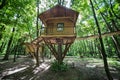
(59, 53)
(60, 60)
(37, 56)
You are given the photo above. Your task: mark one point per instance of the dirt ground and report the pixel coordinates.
(80, 69)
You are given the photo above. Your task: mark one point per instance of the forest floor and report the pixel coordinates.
(80, 69)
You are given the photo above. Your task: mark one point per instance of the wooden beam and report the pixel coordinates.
(67, 46)
(53, 18)
(50, 46)
(58, 36)
(37, 40)
(97, 36)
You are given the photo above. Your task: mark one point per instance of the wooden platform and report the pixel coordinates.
(55, 39)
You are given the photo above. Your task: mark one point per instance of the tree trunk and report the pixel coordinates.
(15, 52)
(6, 57)
(37, 28)
(1, 47)
(116, 46)
(37, 56)
(84, 47)
(59, 53)
(2, 29)
(102, 45)
(115, 41)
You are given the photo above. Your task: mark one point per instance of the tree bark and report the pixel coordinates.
(37, 34)
(6, 57)
(102, 45)
(60, 53)
(1, 46)
(2, 29)
(15, 52)
(116, 46)
(37, 56)
(37, 28)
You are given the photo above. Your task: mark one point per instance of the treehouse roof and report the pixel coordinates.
(58, 12)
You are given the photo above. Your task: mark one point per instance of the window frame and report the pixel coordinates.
(60, 27)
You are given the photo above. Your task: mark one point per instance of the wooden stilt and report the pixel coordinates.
(52, 49)
(67, 46)
(37, 56)
(59, 53)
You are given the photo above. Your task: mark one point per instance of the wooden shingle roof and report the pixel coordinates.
(58, 12)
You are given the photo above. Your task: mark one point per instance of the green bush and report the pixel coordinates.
(115, 64)
(59, 67)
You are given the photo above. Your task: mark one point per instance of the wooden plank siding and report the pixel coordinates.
(68, 28)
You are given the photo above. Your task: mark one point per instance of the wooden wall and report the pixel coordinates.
(68, 29)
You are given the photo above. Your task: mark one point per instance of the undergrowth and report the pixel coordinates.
(55, 66)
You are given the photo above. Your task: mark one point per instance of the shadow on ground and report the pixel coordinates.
(81, 70)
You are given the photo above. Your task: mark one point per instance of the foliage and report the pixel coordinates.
(20, 17)
(55, 66)
(22, 14)
(115, 64)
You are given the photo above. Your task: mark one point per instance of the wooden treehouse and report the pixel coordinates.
(59, 32)
(59, 21)
(59, 29)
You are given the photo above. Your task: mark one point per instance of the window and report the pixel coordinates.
(60, 26)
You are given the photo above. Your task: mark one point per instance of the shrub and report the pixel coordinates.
(59, 67)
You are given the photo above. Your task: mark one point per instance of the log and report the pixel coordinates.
(97, 36)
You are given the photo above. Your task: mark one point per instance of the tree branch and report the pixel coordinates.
(97, 36)
(111, 6)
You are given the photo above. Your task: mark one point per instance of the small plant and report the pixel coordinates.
(115, 64)
(59, 67)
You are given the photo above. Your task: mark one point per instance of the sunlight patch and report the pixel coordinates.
(11, 71)
(91, 66)
(42, 67)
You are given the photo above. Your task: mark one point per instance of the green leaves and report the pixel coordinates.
(59, 67)
(19, 14)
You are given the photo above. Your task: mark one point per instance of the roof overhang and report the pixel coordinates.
(58, 12)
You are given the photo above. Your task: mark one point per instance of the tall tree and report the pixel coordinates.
(102, 45)
(6, 57)
(111, 28)
(37, 28)
(22, 11)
